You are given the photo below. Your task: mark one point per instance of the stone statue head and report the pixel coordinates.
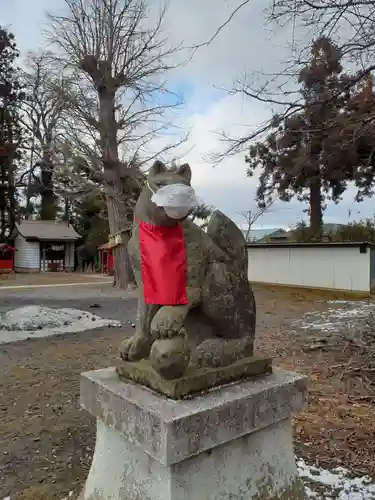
(158, 177)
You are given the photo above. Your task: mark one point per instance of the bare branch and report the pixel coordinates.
(118, 101)
(221, 27)
(251, 216)
(41, 115)
(353, 20)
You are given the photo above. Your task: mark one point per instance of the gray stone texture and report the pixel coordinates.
(171, 431)
(195, 380)
(233, 443)
(218, 323)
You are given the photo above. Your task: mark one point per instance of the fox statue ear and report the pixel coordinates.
(184, 171)
(157, 168)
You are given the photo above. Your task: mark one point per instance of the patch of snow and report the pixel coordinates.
(338, 484)
(37, 321)
(350, 314)
(321, 484)
(69, 496)
(340, 302)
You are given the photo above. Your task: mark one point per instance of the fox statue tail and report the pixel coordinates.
(227, 236)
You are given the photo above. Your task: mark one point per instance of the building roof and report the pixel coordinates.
(47, 230)
(279, 234)
(332, 227)
(105, 246)
(259, 234)
(324, 244)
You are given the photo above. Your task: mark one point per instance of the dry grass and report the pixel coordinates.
(47, 441)
(337, 428)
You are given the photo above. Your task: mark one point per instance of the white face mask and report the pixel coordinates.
(177, 212)
(178, 200)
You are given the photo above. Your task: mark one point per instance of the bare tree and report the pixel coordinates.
(42, 118)
(349, 23)
(352, 20)
(251, 216)
(119, 104)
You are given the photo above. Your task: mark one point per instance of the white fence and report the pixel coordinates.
(338, 266)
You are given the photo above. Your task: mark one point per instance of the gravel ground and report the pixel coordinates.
(46, 440)
(113, 303)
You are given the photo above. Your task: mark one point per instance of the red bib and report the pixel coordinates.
(163, 264)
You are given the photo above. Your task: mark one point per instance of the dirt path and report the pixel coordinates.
(46, 441)
(48, 279)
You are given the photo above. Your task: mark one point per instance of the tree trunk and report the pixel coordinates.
(66, 210)
(3, 200)
(29, 205)
(316, 219)
(124, 276)
(48, 207)
(11, 182)
(12, 200)
(8, 202)
(118, 216)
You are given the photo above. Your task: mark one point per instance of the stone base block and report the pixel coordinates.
(195, 379)
(233, 443)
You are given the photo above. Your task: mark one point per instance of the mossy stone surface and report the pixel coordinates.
(195, 380)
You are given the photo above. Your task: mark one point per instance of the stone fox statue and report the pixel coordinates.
(216, 324)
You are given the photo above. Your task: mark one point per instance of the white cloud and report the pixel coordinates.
(227, 187)
(248, 45)
(25, 19)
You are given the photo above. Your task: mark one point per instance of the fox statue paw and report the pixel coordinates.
(135, 348)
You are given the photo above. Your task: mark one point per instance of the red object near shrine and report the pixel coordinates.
(106, 259)
(163, 264)
(6, 258)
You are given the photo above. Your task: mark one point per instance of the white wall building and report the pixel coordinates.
(345, 266)
(42, 245)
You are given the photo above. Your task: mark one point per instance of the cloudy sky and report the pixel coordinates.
(246, 45)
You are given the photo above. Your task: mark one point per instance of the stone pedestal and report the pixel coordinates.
(233, 443)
